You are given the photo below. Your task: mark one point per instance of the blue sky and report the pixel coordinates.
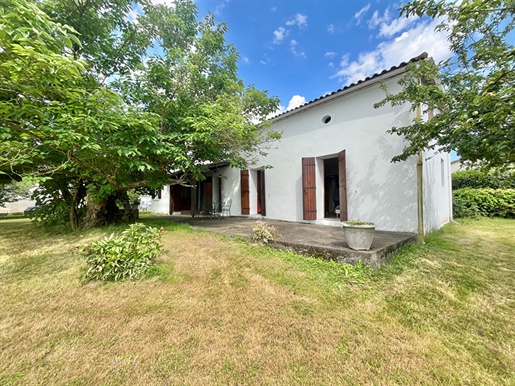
(301, 50)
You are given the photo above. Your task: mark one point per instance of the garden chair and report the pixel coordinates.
(215, 210)
(226, 208)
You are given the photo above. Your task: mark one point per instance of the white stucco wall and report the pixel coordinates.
(377, 190)
(437, 190)
(161, 205)
(231, 189)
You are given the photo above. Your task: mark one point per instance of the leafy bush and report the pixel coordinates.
(469, 202)
(478, 179)
(127, 256)
(262, 233)
(52, 202)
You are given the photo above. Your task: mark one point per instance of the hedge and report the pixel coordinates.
(477, 179)
(487, 202)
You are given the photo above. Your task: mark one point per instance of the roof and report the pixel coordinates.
(422, 56)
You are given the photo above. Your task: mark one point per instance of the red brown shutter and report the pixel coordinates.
(309, 199)
(342, 180)
(208, 191)
(245, 192)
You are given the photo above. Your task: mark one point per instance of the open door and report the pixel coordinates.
(261, 203)
(342, 180)
(245, 192)
(309, 200)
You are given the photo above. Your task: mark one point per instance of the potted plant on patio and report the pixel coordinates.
(359, 234)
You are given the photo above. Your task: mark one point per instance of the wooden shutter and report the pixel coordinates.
(309, 191)
(194, 199)
(208, 191)
(245, 192)
(342, 181)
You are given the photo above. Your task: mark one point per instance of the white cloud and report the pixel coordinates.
(296, 101)
(219, 8)
(279, 35)
(134, 13)
(245, 59)
(330, 28)
(389, 26)
(132, 16)
(299, 20)
(411, 43)
(281, 32)
(359, 15)
(330, 54)
(164, 2)
(294, 47)
(378, 19)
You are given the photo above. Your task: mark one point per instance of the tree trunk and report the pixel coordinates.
(74, 222)
(101, 213)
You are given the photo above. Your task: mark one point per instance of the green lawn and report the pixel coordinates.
(223, 312)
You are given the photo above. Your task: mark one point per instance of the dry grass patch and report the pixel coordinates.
(225, 312)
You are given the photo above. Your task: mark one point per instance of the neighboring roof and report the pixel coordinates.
(422, 56)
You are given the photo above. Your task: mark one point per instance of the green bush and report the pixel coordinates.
(487, 202)
(16, 215)
(127, 256)
(479, 179)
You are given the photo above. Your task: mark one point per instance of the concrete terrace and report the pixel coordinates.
(326, 242)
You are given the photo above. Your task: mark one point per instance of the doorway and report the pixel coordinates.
(261, 202)
(180, 198)
(331, 188)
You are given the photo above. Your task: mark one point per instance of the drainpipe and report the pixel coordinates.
(420, 190)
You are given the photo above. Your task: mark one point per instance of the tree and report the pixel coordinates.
(12, 192)
(157, 120)
(474, 94)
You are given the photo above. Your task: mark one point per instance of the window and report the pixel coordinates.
(442, 171)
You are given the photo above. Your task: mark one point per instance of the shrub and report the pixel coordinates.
(16, 215)
(479, 179)
(262, 233)
(469, 202)
(127, 256)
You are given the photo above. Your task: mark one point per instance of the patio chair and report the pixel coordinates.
(226, 207)
(215, 210)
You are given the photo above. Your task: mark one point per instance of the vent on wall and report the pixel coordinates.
(326, 119)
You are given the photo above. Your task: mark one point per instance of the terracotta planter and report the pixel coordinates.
(359, 236)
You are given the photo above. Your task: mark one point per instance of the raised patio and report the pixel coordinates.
(327, 242)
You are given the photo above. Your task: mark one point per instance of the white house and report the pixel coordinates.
(334, 150)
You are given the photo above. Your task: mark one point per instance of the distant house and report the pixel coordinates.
(458, 166)
(333, 160)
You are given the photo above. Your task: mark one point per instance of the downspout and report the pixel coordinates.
(420, 190)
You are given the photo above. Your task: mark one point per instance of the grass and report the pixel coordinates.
(224, 312)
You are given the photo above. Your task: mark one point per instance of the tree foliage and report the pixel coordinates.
(85, 106)
(474, 94)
